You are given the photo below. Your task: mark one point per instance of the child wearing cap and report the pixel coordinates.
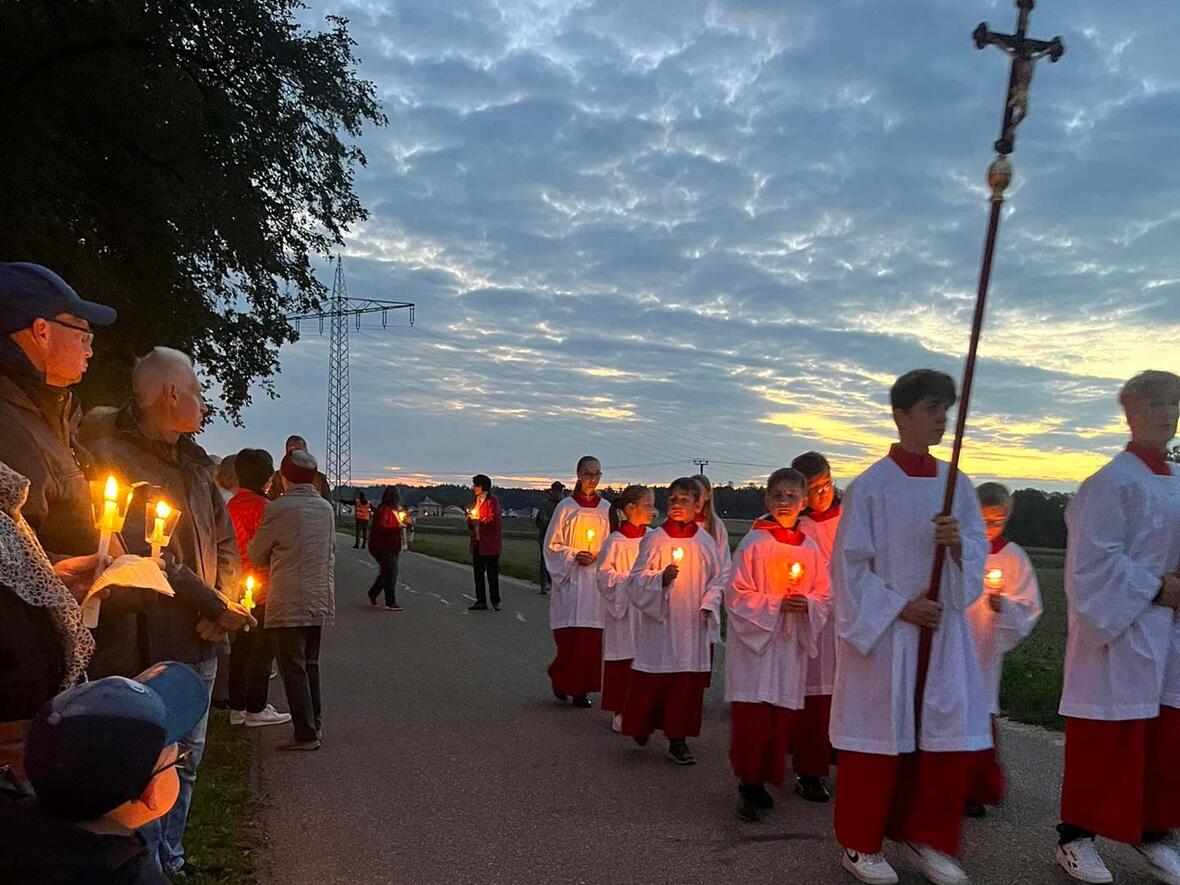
(102, 760)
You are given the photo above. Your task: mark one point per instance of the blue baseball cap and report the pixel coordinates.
(29, 291)
(95, 746)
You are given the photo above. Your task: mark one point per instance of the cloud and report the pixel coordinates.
(673, 230)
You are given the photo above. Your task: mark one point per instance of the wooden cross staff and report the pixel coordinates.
(1024, 52)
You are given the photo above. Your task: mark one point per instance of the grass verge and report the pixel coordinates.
(520, 558)
(224, 834)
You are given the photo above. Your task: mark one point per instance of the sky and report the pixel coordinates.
(718, 229)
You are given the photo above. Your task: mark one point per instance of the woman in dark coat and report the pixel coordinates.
(386, 537)
(483, 521)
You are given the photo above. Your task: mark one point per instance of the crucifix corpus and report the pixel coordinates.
(1024, 52)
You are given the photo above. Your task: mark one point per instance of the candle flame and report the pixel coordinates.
(249, 583)
(678, 554)
(111, 489)
(590, 533)
(163, 510)
(796, 571)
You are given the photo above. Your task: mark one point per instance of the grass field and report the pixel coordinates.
(224, 833)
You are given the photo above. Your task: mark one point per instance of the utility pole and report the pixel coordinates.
(700, 464)
(341, 308)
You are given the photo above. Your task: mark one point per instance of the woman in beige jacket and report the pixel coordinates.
(297, 540)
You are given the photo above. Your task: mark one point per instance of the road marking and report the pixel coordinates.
(465, 596)
(520, 617)
(444, 601)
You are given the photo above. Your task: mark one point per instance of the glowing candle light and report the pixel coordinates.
(678, 554)
(795, 572)
(401, 516)
(160, 524)
(590, 533)
(993, 579)
(248, 597)
(110, 510)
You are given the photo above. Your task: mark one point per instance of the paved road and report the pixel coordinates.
(446, 759)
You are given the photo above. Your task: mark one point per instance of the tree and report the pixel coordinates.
(183, 162)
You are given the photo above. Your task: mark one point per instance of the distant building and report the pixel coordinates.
(453, 511)
(429, 507)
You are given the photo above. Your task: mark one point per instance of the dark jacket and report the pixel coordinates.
(36, 848)
(38, 437)
(202, 554)
(32, 660)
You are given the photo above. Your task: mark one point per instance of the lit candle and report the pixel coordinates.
(159, 535)
(248, 597)
(590, 533)
(401, 517)
(993, 579)
(108, 519)
(795, 573)
(678, 554)
(473, 513)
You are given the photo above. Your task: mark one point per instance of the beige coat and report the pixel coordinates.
(297, 540)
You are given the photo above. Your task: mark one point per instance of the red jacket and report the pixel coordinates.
(385, 532)
(245, 512)
(486, 530)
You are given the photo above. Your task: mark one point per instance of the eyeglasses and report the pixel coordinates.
(87, 333)
(181, 759)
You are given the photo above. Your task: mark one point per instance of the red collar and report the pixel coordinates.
(630, 530)
(1153, 458)
(679, 529)
(831, 513)
(583, 501)
(913, 465)
(794, 537)
(999, 544)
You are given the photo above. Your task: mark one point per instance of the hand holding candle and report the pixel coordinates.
(110, 501)
(672, 571)
(248, 597)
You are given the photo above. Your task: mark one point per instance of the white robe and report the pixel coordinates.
(672, 635)
(821, 668)
(882, 562)
(574, 600)
(998, 632)
(615, 562)
(768, 649)
(1124, 535)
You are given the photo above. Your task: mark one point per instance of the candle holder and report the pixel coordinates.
(993, 579)
(110, 500)
(160, 521)
(677, 554)
(795, 574)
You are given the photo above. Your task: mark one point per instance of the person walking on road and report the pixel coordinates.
(297, 542)
(484, 523)
(385, 545)
(544, 515)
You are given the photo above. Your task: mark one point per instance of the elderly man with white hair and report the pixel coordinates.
(1121, 697)
(150, 440)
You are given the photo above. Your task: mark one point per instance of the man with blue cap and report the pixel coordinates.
(102, 758)
(46, 332)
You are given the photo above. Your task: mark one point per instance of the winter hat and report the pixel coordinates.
(298, 467)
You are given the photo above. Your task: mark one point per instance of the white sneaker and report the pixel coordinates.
(1164, 859)
(268, 715)
(939, 868)
(237, 717)
(871, 868)
(1080, 859)
(616, 724)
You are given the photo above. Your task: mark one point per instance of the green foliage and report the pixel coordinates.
(183, 162)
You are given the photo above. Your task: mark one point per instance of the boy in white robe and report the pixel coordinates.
(811, 751)
(778, 601)
(572, 542)
(881, 571)
(1004, 615)
(676, 586)
(1121, 696)
(630, 515)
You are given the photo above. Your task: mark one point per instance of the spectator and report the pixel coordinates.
(149, 439)
(361, 511)
(43, 646)
(253, 651)
(226, 477)
(298, 443)
(544, 515)
(483, 521)
(389, 528)
(45, 348)
(104, 761)
(297, 541)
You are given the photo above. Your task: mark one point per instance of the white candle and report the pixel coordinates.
(678, 554)
(993, 579)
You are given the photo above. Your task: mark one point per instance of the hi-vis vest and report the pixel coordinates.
(362, 511)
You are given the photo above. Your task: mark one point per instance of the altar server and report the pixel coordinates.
(778, 602)
(575, 535)
(676, 586)
(1121, 697)
(880, 575)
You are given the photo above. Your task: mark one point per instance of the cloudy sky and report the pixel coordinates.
(674, 229)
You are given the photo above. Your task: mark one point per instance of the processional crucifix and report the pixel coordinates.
(1024, 52)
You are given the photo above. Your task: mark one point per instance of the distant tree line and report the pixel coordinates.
(1037, 521)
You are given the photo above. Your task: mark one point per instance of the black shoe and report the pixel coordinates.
(748, 811)
(756, 795)
(561, 695)
(680, 753)
(495, 606)
(477, 607)
(641, 739)
(813, 789)
(974, 809)
(583, 701)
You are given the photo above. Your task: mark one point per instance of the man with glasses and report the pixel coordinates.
(45, 348)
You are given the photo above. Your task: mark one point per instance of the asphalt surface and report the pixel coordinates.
(446, 759)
